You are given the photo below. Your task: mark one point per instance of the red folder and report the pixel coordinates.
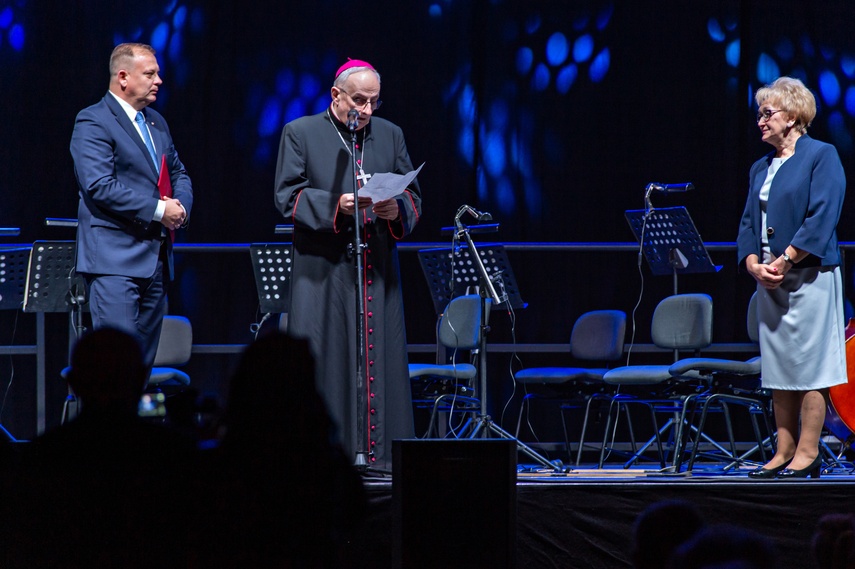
(164, 185)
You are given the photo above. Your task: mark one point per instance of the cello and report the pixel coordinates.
(840, 417)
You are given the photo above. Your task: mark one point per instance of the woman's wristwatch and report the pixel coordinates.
(787, 258)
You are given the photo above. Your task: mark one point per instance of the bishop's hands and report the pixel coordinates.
(174, 214)
(387, 209)
(346, 203)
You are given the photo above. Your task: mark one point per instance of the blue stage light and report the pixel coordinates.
(270, 119)
(525, 57)
(849, 101)
(732, 52)
(604, 17)
(284, 82)
(847, 65)
(179, 17)
(504, 196)
(532, 24)
(583, 48)
(493, 153)
(600, 66)
(557, 49)
(714, 30)
(767, 69)
(16, 37)
(829, 88)
(839, 133)
(540, 79)
(566, 77)
(466, 144)
(296, 108)
(6, 18)
(159, 36)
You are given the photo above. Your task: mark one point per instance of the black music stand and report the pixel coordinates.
(670, 241)
(271, 264)
(13, 279)
(450, 272)
(49, 277)
(456, 271)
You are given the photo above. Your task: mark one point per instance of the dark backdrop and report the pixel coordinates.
(551, 115)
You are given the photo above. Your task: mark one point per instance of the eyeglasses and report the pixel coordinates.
(362, 102)
(767, 114)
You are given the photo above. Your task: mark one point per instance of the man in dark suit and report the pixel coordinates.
(134, 192)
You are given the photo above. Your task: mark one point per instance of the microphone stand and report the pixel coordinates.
(485, 425)
(355, 248)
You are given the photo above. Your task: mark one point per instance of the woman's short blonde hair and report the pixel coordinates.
(792, 96)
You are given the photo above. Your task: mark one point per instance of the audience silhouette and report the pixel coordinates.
(834, 541)
(660, 529)
(106, 489)
(280, 491)
(725, 546)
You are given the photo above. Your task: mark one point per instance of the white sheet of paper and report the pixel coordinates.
(387, 185)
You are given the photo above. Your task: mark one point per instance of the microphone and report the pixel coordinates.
(479, 215)
(668, 188)
(352, 119)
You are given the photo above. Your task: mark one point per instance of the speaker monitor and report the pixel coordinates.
(454, 503)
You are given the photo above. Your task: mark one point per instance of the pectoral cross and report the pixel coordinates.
(362, 176)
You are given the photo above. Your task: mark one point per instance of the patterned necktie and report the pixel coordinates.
(140, 119)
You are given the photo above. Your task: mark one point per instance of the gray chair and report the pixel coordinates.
(597, 337)
(173, 351)
(449, 384)
(681, 322)
(730, 382)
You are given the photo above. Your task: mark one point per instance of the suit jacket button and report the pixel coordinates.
(770, 231)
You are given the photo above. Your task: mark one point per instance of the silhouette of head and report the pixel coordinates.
(274, 385)
(834, 541)
(107, 371)
(725, 546)
(660, 529)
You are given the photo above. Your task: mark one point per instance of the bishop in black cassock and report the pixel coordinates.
(314, 190)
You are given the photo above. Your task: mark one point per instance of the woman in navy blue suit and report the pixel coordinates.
(788, 243)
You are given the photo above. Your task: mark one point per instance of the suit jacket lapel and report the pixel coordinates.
(128, 127)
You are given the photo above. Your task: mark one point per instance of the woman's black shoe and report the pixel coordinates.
(813, 470)
(767, 474)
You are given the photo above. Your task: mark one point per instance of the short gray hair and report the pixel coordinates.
(342, 78)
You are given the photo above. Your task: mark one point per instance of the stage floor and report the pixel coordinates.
(584, 518)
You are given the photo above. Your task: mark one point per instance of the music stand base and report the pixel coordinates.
(485, 424)
(6, 436)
